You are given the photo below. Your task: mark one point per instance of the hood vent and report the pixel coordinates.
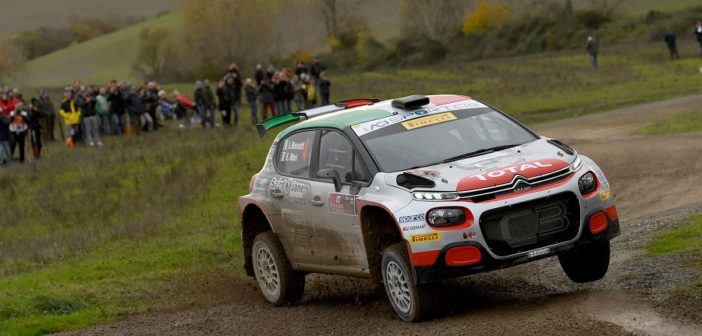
(562, 146)
(411, 181)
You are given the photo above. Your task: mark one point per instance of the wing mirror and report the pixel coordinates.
(333, 175)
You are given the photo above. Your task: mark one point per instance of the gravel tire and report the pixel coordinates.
(276, 279)
(589, 263)
(411, 302)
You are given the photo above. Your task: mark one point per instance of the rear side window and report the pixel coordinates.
(295, 153)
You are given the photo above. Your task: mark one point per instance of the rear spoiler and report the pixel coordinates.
(282, 119)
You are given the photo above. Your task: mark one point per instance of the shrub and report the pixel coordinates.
(486, 16)
(592, 18)
(51, 305)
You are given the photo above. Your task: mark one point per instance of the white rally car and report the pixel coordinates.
(415, 190)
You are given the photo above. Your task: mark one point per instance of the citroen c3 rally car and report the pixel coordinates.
(415, 190)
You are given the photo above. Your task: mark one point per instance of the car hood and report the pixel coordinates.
(529, 160)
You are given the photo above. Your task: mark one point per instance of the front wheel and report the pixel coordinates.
(278, 282)
(411, 302)
(589, 263)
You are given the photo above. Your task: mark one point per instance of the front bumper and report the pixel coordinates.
(439, 270)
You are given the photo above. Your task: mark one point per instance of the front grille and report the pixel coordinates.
(529, 225)
(518, 184)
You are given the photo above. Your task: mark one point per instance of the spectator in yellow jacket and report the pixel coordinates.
(70, 111)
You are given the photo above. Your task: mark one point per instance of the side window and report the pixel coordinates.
(359, 169)
(295, 153)
(336, 152)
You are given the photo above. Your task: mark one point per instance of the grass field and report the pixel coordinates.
(686, 123)
(541, 87)
(144, 223)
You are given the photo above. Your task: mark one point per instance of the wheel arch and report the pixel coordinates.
(380, 230)
(253, 222)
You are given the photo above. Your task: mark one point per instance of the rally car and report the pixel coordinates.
(411, 191)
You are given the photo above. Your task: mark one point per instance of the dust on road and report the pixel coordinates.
(655, 179)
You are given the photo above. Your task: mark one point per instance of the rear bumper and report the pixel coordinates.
(439, 271)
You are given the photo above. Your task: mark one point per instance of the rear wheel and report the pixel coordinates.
(587, 264)
(278, 282)
(411, 302)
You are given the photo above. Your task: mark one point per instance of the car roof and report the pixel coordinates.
(342, 119)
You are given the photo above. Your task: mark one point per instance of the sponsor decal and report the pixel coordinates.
(601, 177)
(423, 238)
(430, 174)
(430, 120)
(506, 174)
(606, 194)
(414, 227)
(413, 218)
(371, 126)
(289, 187)
(260, 185)
(342, 204)
(538, 252)
(511, 169)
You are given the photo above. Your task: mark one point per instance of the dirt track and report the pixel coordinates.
(655, 180)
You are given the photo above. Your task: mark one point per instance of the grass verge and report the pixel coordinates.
(686, 240)
(685, 123)
(186, 254)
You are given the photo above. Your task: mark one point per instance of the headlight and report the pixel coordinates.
(444, 217)
(435, 196)
(576, 164)
(587, 183)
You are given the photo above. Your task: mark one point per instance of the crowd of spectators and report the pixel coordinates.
(89, 113)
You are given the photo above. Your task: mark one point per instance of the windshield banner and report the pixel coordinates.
(374, 125)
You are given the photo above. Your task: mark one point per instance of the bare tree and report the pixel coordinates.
(334, 13)
(435, 19)
(12, 58)
(219, 32)
(329, 11)
(154, 50)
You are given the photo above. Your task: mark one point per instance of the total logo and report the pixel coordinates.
(512, 169)
(505, 175)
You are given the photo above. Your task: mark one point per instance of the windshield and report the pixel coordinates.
(443, 137)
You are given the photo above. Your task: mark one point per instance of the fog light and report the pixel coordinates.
(598, 222)
(463, 256)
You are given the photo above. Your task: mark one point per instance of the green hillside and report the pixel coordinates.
(32, 14)
(94, 61)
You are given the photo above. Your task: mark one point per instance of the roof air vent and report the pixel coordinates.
(410, 102)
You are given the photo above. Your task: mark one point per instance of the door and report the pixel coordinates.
(333, 213)
(290, 193)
